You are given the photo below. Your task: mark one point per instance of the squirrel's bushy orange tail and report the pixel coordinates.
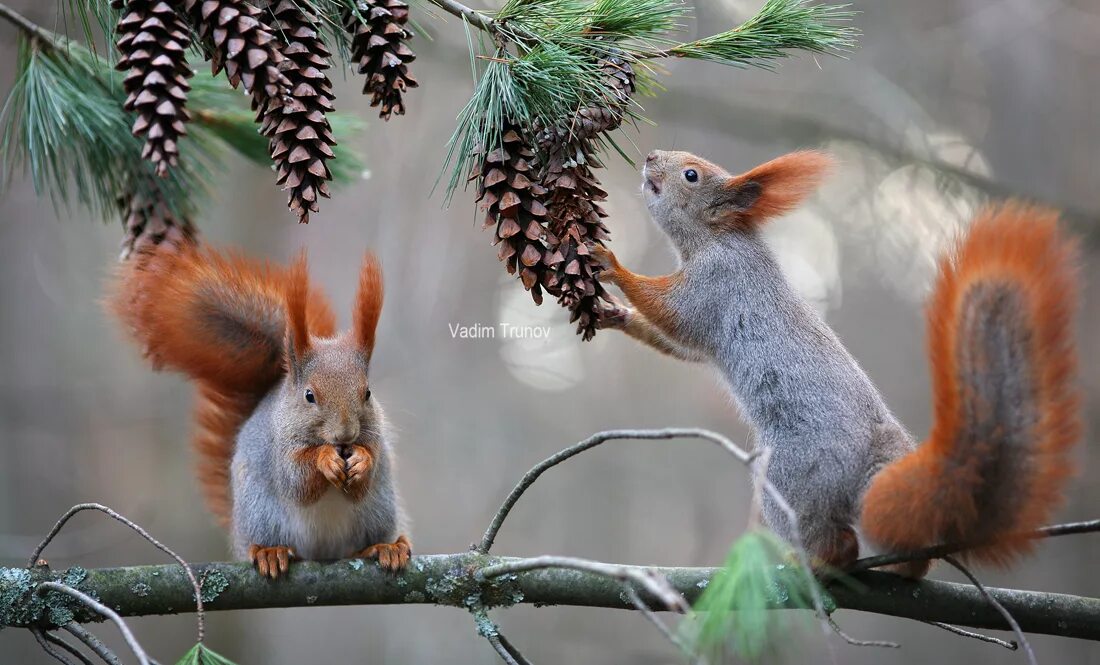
(221, 321)
(1000, 327)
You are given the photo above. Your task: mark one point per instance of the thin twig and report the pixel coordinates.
(49, 648)
(860, 643)
(501, 650)
(939, 551)
(796, 536)
(653, 583)
(199, 614)
(725, 443)
(473, 17)
(55, 639)
(1008, 644)
(1021, 638)
(531, 476)
(28, 26)
(516, 655)
(648, 613)
(93, 643)
(102, 609)
(491, 631)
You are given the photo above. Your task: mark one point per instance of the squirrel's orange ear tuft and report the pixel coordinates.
(777, 187)
(368, 304)
(297, 298)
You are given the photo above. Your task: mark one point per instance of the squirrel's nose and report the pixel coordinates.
(652, 157)
(348, 432)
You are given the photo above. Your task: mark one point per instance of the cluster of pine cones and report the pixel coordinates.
(277, 55)
(541, 196)
(538, 188)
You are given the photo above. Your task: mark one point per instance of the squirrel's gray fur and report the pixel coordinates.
(265, 483)
(809, 402)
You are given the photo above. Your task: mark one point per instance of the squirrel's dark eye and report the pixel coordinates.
(691, 175)
(309, 396)
(366, 396)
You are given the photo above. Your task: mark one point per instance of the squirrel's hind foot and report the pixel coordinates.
(271, 561)
(834, 553)
(390, 556)
(913, 570)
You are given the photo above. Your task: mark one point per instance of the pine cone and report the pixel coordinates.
(575, 215)
(147, 221)
(300, 136)
(576, 221)
(588, 122)
(513, 203)
(378, 43)
(153, 42)
(239, 42)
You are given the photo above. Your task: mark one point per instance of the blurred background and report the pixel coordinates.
(946, 104)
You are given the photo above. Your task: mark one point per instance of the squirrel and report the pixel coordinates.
(295, 456)
(1002, 357)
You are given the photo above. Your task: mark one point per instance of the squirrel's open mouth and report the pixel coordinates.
(652, 184)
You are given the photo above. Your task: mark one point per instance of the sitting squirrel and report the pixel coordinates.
(1003, 363)
(294, 453)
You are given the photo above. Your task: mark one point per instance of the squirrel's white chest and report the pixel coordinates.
(326, 529)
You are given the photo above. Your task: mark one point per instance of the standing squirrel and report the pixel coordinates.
(1003, 364)
(294, 452)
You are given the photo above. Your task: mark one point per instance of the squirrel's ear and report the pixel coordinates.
(368, 304)
(297, 330)
(773, 188)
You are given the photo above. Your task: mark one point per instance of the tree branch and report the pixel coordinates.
(452, 580)
(28, 26)
(941, 551)
(473, 17)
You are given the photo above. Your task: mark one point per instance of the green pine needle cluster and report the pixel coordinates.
(738, 613)
(540, 66)
(201, 655)
(780, 27)
(63, 124)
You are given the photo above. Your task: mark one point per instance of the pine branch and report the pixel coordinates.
(779, 28)
(474, 18)
(64, 125)
(451, 580)
(26, 25)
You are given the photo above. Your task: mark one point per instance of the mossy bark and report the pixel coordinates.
(451, 579)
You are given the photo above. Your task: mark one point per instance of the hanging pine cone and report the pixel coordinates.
(573, 195)
(588, 122)
(300, 136)
(237, 41)
(378, 43)
(147, 221)
(576, 221)
(153, 42)
(513, 204)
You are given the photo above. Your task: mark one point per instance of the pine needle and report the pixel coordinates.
(201, 655)
(64, 125)
(737, 614)
(779, 28)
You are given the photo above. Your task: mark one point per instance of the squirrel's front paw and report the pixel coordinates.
(391, 556)
(270, 561)
(613, 315)
(359, 464)
(331, 465)
(604, 260)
